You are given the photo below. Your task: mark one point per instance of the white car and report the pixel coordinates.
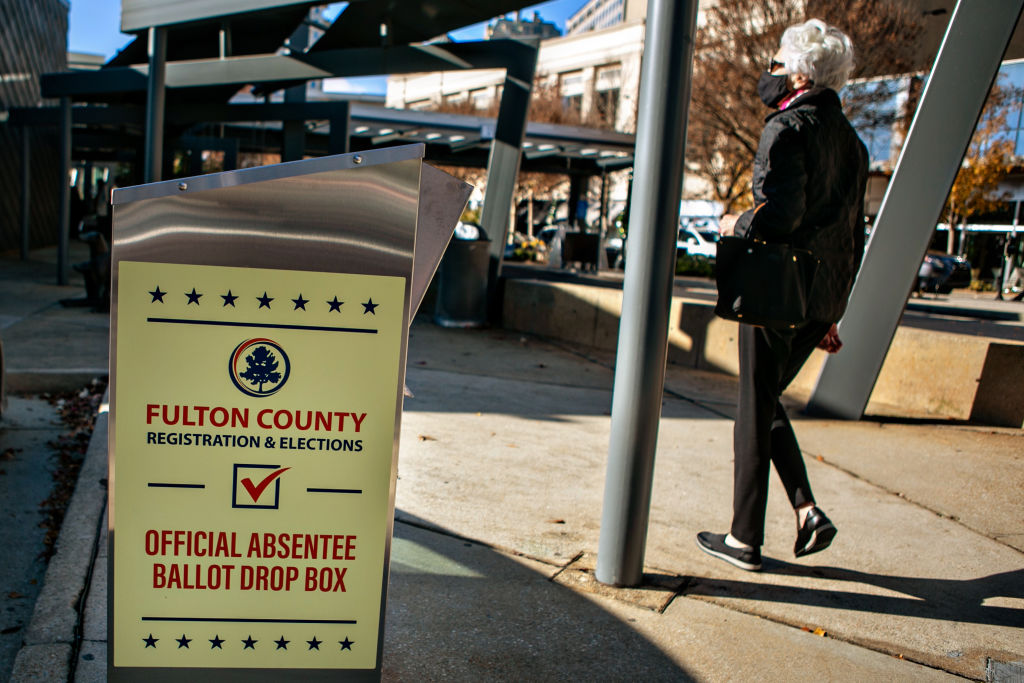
(698, 242)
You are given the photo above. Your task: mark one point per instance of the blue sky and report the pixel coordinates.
(94, 28)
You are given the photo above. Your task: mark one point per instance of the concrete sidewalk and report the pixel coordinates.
(501, 475)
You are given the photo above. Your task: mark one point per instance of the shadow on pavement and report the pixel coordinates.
(929, 598)
(459, 610)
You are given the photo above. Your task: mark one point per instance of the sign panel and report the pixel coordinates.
(256, 419)
(259, 325)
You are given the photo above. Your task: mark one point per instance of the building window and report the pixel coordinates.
(480, 98)
(607, 87)
(571, 90)
(455, 98)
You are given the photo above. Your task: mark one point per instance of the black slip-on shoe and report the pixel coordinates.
(714, 545)
(815, 535)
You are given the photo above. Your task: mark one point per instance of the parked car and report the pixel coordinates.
(698, 242)
(942, 273)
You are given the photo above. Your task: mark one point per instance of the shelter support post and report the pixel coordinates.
(26, 190)
(577, 186)
(964, 70)
(337, 141)
(503, 163)
(643, 331)
(64, 215)
(155, 100)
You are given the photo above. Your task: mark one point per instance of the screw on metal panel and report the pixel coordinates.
(357, 159)
(182, 186)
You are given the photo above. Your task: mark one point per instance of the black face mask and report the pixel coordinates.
(772, 89)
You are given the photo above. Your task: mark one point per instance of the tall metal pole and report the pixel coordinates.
(952, 101)
(64, 209)
(647, 290)
(155, 100)
(26, 191)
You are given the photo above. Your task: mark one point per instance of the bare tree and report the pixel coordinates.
(987, 162)
(736, 43)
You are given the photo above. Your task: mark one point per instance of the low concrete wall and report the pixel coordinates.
(935, 373)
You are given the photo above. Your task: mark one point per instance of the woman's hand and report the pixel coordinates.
(727, 224)
(831, 342)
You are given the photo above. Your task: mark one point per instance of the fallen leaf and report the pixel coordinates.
(820, 458)
(820, 632)
(479, 414)
(426, 437)
(14, 595)
(556, 521)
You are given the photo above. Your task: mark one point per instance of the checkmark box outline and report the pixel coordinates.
(236, 483)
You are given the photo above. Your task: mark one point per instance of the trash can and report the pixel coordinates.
(462, 279)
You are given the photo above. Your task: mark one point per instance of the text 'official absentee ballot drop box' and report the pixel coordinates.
(259, 331)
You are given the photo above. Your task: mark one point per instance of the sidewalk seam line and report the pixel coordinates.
(897, 494)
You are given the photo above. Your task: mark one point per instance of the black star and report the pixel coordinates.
(370, 307)
(249, 643)
(229, 299)
(314, 644)
(215, 642)
(183, 641)
(335, 305)
(300, 303)
(157, 295)
(193, 297)
(264, 300)
(282, 644)
(346, 644)
(150, 642)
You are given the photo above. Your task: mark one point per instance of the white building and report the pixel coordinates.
(600, 14)
(597, 71)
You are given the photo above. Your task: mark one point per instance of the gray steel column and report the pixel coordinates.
(64, 209)
(952, 101)
(647, 291)
(503, 163)
(26, 191)
(155, 100)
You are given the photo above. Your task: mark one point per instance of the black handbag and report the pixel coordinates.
(763, 283)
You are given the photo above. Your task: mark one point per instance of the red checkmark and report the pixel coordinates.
(257, 490)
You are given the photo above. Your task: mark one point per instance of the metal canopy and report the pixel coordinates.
(407, 21)
(112, 133)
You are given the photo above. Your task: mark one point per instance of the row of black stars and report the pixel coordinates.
(229, 300)
(216, 643)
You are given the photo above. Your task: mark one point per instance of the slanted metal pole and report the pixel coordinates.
(155, 100)
(647, 292)
(952, 101)
(64, 216)
(26, 191)
(503, 162)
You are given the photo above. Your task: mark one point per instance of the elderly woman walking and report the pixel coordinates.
(809, 178)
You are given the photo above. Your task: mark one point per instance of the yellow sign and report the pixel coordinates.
(254, 422)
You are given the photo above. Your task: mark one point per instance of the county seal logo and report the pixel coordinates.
(259, 367)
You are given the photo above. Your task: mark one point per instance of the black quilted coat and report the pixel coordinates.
(809, 178)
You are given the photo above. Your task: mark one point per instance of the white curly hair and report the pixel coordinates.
(819, 51)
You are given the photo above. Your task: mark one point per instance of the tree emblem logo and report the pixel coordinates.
(259, 367)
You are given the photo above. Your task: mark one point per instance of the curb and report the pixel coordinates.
(41, 380)
(51, 636)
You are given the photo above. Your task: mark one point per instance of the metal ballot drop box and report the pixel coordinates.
(259, 329)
